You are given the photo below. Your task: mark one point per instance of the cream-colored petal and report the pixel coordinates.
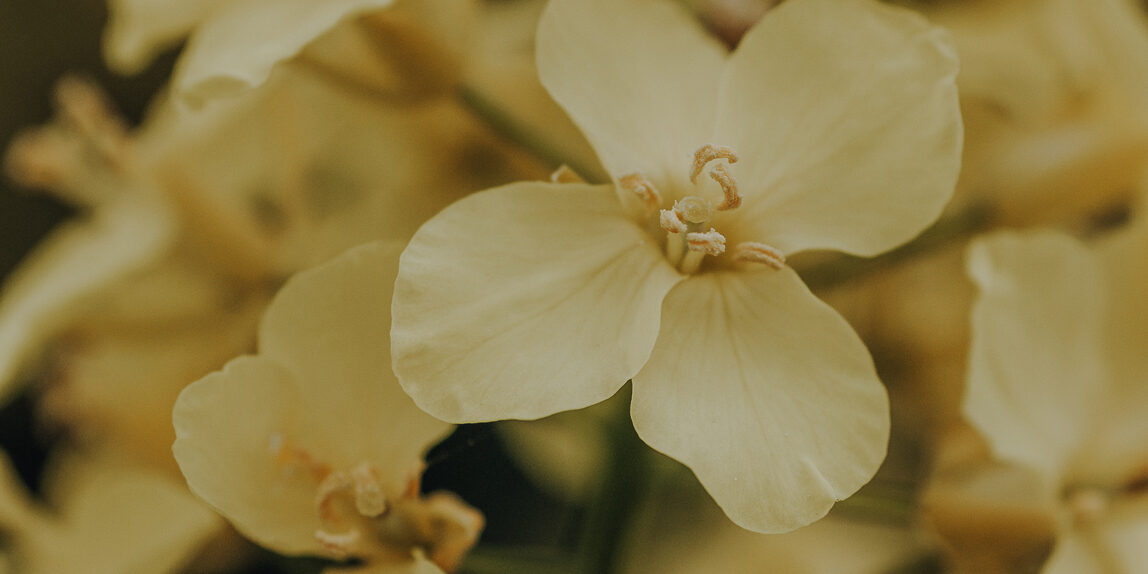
(640, 78)
(227, 426)
(526, 300)
(118, 519)
(845, 118)
(766, 393)
(75, 262)
(1035, 363)
(138, 30)
(238, 45)
(330, 327)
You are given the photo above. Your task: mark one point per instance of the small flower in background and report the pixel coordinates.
(311, 447)
(834, 126)
(1056, 372)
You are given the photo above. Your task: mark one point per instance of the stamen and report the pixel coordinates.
(694, 210)
(708, 153)
(86, 106)
(753, 252)
(565, 175)
(640, 186)
(672, 222)
(335, 483)
(339, 545)
(728, 186)
(369, 498)
(709, 242)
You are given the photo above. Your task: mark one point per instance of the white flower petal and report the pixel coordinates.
(640, 78)
(238, 45)
(74, 263)
(526, 300)
(844, 114)
(225, 427)
(330, 327)
(1035, 363)
(138, 30)
(766, 393)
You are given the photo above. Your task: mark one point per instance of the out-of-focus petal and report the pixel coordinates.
(526, 300)
(766, 393)
(845, 118)
(1036, 364)
(242, 40)
(114, 519)
(75, 262)
(639, 78)
(138, 30)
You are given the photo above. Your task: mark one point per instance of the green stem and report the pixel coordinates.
(621, 493)
(513, 129)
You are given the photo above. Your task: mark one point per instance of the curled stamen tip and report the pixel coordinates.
(708, 153)
(753, 252)
(369, 498)
(728, 187)
(565, 175)
(709, 242)
(671, 221)
(637, 184)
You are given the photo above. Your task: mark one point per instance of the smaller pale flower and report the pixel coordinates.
(834, 125)
(1056, 385)
(311, 447)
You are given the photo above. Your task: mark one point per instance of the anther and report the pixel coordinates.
(708, 153)
(753, 252)
(640, 186)
(335, 483)
(672, 222)
(565, 175)
(709, 242)
(728, 186)
(694, 210)
(369, 498)
(339, 545)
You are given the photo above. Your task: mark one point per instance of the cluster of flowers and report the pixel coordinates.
(349, 225)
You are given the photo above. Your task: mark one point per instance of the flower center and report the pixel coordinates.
(358, 519)
(689, 236)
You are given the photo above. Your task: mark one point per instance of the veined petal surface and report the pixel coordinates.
(526, 300)
(766, 393)
(844, 114)
(1036, 367)
(640, 78)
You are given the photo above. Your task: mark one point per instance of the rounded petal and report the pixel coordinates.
(1035, 362)
(74, 263)
(236, 47)
(766, 393)
(330, 328)
(845, 118)
(226, 425)
(640, 78)
(526, 300)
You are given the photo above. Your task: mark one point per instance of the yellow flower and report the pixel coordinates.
(311, 447)
(834, 125)
(1057, 367)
